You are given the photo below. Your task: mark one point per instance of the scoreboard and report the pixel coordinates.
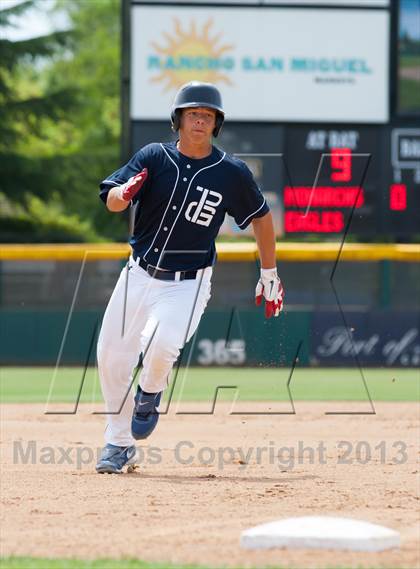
(325, 108)
(367, 179)
(332, 173)
(403, 203)
(319, 179)
(324, 179)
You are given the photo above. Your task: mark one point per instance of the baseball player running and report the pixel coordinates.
(182, 191)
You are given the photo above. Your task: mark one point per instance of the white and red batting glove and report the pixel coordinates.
(128, 190)
(269, 286)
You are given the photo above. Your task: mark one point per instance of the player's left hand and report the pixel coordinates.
(269, 286)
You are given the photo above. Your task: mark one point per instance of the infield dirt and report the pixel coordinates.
(189, 499)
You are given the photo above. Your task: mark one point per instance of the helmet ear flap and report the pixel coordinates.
(176, 119)
(219, 122)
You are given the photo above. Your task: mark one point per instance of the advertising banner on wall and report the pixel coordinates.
(271, 64)
(387, 338)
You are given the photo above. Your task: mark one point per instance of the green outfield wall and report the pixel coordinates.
(224, 338)
(228, 338)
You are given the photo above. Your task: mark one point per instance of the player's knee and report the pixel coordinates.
(111, 359)
(166, 347)
(101, 355)
(105, 353)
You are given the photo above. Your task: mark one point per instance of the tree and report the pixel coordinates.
(59, 124)
(22, 114)
(93, 70)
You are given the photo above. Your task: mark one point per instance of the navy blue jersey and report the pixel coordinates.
(183, 203)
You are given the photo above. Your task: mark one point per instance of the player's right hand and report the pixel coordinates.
(133, 185)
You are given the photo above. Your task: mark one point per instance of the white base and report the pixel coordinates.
(321, 532)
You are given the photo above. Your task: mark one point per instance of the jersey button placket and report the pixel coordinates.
(170, 218)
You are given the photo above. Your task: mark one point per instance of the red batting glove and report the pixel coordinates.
(270, 288)
(130, 188)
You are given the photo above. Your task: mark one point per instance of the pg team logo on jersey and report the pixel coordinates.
(202, 212)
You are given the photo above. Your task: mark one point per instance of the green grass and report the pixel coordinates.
(32, 385)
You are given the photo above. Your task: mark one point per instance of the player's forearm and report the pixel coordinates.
(114, 201)
(266, 240)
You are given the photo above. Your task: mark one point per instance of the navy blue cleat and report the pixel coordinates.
(114, 458)
(145, 414)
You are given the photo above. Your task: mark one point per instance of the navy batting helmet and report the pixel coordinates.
(197, 94)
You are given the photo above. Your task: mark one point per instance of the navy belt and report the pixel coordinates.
(164, 275)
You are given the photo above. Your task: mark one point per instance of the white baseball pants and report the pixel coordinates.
(150, 317)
